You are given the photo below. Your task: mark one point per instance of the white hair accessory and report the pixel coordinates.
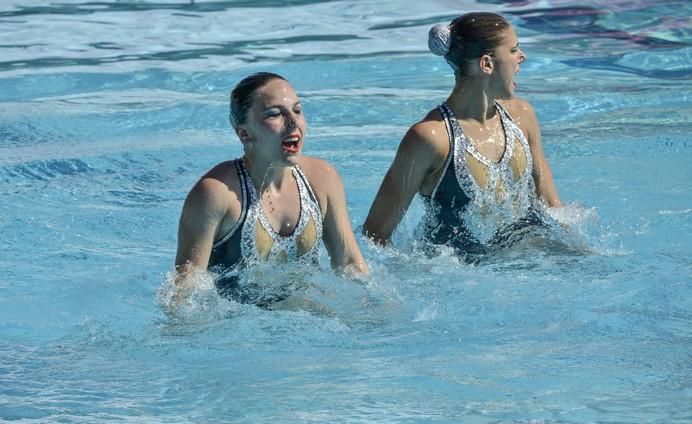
(439, 39)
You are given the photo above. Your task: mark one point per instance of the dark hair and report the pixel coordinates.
(242, 95)
(472, 36)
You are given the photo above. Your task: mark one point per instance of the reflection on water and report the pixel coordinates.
(89, 8)
(598, 33)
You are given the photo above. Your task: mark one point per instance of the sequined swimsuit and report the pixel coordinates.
(474, 212)
(252, 238)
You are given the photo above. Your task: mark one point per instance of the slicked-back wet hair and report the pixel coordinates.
(243, 93)
(473, 35)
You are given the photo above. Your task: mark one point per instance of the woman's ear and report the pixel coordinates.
(243, 134)
(486, 64)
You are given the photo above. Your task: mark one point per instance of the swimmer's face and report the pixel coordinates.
(275, 123)
(506, 59)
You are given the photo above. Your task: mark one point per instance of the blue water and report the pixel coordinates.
(110, 111)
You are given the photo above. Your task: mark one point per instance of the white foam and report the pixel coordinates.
(198, 301)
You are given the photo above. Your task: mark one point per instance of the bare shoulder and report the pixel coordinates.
(523, 114)
(323, 178)
(319, 172)
(220, 179)
(428, 136)
(423, 152)
(520, 110)
(216, 191)
(224, 172)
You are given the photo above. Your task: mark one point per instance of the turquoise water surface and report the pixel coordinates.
(111, 110)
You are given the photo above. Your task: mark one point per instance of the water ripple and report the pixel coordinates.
(610, 64)
(45, 170)
(94, 7)
(245, 49)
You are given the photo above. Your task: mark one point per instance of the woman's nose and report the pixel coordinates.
(522, 56)
(292, 120)
(292, 124)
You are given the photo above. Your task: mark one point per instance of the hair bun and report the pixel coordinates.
(439, 39)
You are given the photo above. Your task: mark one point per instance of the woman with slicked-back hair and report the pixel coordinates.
(271, 205)
(477, 159)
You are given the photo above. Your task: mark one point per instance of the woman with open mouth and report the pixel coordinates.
(477, 159)
(271, 205)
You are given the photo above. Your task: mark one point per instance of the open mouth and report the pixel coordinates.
(291, 143)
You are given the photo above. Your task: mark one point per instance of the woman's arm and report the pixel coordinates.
(542, 175)
(337, 232)
(419, 154)
(202, 213)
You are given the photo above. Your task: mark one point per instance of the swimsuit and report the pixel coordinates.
(477, 204)
(252, 239)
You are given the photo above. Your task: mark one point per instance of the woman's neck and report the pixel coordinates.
(471, 101)
(265, 174)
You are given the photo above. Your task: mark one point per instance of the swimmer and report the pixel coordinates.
(272, 204)
(476, 160)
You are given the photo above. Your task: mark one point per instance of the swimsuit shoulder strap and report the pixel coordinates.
(248, 190)
(245, 197)
(503, 112)
(512, 126)
(449, 119)
(304, 182)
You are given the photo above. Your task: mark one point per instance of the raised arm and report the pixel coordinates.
(542, 175)
(418, 156)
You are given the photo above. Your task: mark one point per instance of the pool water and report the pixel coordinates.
(111, 110)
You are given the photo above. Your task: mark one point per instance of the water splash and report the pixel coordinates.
(269, 287)
(195, 302)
